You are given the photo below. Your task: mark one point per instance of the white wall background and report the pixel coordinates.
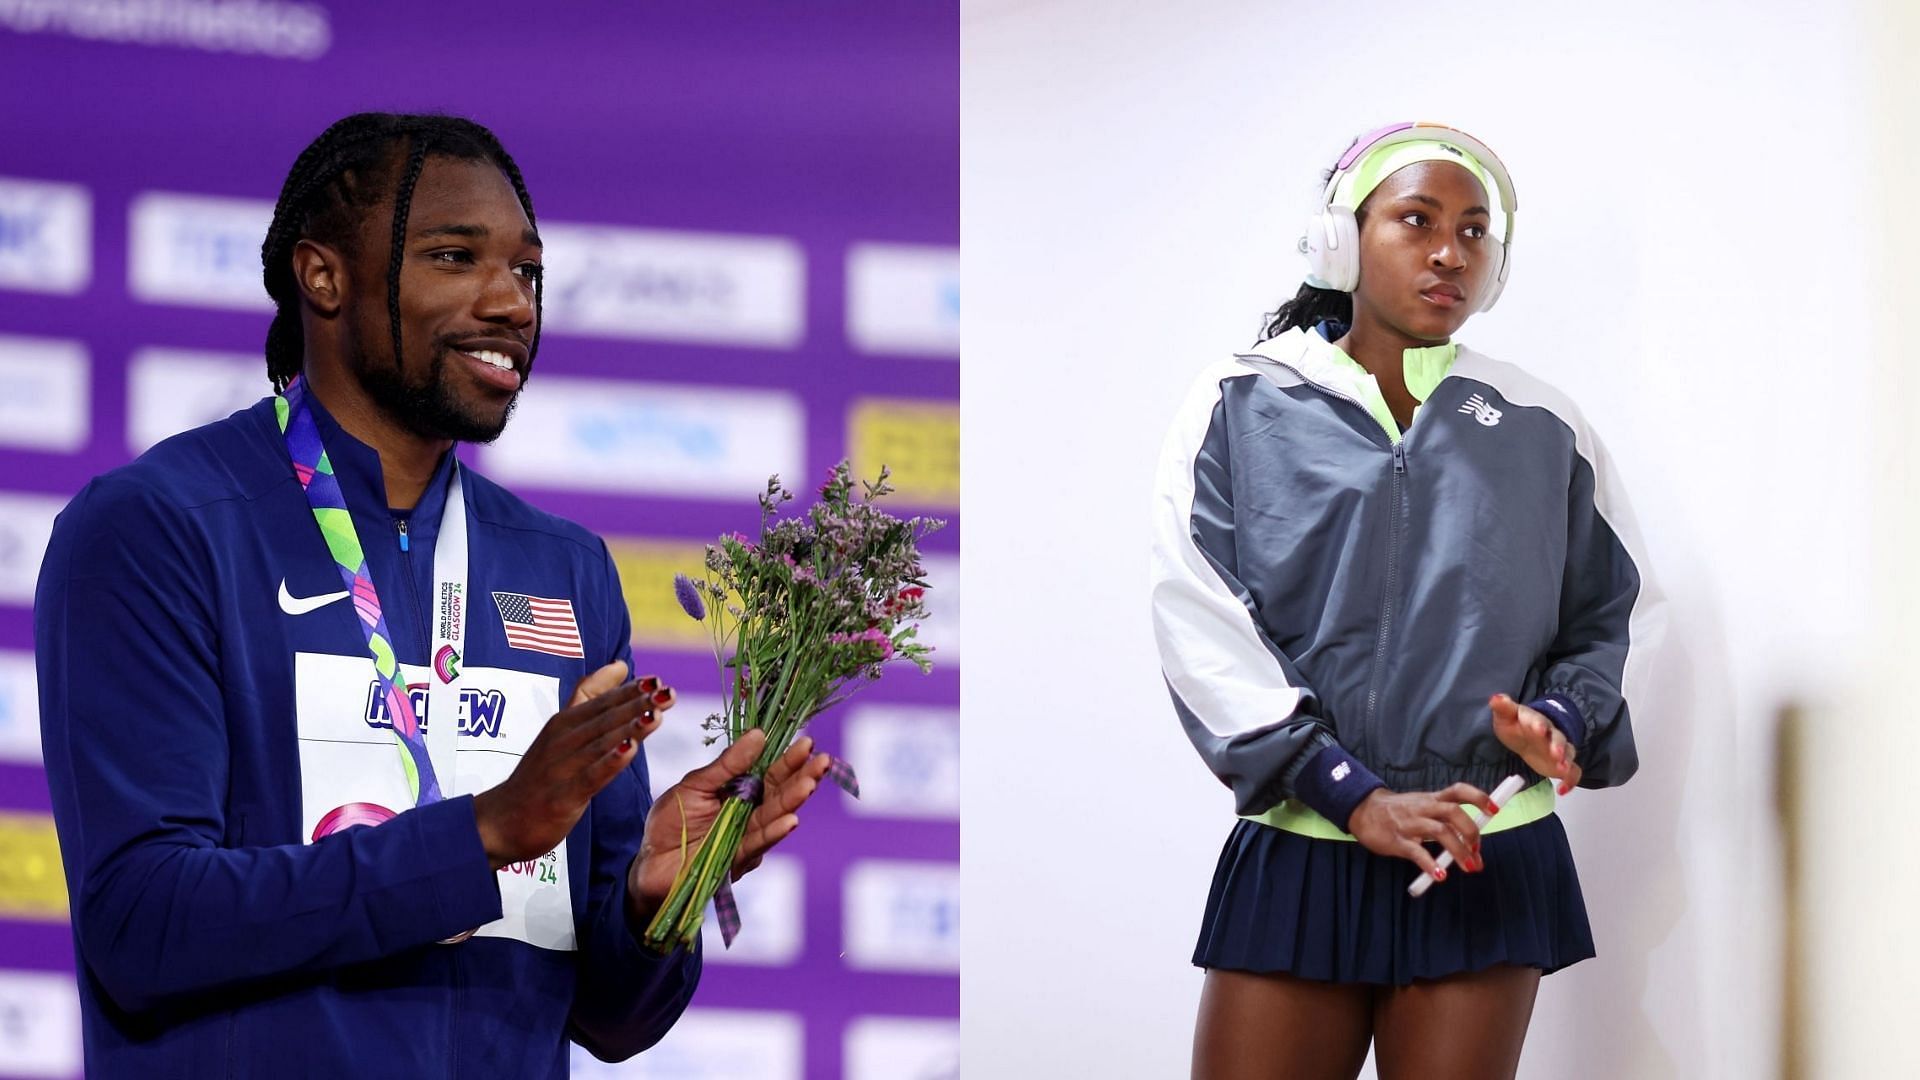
(1858, 939)
(1686, 267)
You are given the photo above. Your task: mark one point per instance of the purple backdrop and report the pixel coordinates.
(815, 131)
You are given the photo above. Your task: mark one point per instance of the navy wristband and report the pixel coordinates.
(1560, 709)
(1333, 783)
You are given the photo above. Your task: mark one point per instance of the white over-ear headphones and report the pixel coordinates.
(1332, 240)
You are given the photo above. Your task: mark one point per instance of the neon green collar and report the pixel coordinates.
(1423, 369)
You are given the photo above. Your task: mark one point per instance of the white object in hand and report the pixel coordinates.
(1508, 789)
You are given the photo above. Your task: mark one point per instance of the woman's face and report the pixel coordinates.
(1426, 253)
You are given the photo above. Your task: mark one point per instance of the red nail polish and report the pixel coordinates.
(649, 684)
(626, 745)
(1439, 875)
(662, 697)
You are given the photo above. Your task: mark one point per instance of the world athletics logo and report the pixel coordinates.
(446, 664)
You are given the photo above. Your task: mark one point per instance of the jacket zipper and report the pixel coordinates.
(413, 592)
(406, 569)
(1387, 594)
(1392, 588)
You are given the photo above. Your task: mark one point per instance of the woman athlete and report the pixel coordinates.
(1371, 545)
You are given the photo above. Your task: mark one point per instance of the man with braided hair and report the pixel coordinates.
(310, 617)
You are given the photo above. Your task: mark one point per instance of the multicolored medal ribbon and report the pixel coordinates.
(329, 503)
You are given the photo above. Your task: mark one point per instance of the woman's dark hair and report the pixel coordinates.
(362, 162)
(1310, 306)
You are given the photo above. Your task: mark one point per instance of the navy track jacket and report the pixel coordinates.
(195, 727)
(1334, 606)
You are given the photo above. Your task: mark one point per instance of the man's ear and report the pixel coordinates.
(320, 271)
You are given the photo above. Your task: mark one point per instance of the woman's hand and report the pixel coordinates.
(1538, 740)
(1398, 823)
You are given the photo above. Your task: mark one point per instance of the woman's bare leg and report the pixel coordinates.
(1277, 1027)
(1469, 1025)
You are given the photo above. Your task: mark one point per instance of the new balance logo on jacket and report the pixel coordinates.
(1477, 407)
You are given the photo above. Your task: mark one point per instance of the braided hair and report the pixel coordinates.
(355, 165)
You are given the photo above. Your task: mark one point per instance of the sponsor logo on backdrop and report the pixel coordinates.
(902, 916)
(46, 405)
(287, 31)
(711, 1044)
(647, 284)
(646, 438)
(172, 390)
(46, 237)
(19, 709)
(26, 524)
(32, 885)
(918, 440)
(39, 1024)
(646, 570)
(197, 250)
(909, 761)
(772, 915)
(904, 298)
(896, 1048)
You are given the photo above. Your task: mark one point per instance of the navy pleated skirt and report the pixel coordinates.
(1333, 911)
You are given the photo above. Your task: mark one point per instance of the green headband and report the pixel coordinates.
(1378, 164)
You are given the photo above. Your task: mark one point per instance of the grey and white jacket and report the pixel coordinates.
(1334, 606)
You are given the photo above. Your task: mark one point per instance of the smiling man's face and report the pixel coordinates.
(467, 313)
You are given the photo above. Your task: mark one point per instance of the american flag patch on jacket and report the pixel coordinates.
(539, 624)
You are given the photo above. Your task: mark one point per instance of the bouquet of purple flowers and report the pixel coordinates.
(800, 618)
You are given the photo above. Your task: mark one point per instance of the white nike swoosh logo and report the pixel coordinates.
(300, 605)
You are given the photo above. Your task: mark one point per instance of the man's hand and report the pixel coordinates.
(1538, 740)
(694, 803)
(579, 751)
(1399, 823)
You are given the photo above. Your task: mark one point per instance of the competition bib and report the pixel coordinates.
(346, 761)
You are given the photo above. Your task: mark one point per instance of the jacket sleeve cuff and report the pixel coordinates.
(464, 890)
(628, 970)
(628, 995)
(1565, 713)
(1333, 783)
